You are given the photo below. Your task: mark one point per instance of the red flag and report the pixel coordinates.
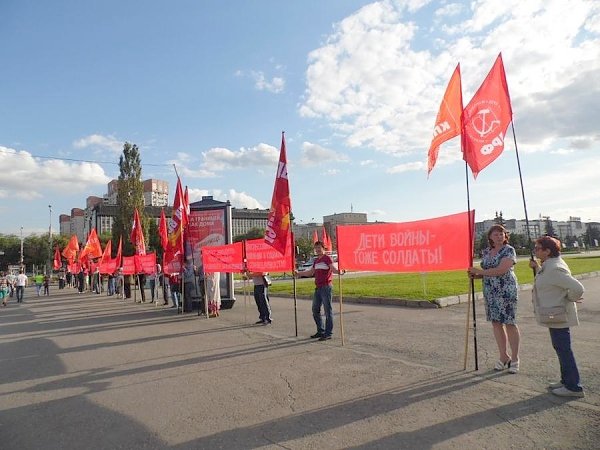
(137, 234)
(57, 261)
(278, 223)
(178, 220)
(92, 248)
(174, 251)
(70, 251)
(119, 252)
(325, 239)
(315, 236)
(162, 230)
(106, 256)
(447, 122)
(186, 203)
(485, 120)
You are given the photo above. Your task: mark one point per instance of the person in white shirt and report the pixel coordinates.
(21, 282)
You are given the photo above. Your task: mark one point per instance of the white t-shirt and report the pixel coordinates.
(21, 279)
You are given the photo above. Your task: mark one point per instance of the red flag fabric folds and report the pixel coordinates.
(174, 251)
(107, 255)
(70, 251)
(278, 221)
(137, 234)
(447, 123)
(162, 230)
(325, 239)
(92, 248)
(485, 120)
(57, 261)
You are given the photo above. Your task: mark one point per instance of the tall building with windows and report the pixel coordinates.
(244, 219)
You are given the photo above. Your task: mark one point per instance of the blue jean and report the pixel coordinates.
(20, 290)
(323, 296)
(569, 375)
(175, 297)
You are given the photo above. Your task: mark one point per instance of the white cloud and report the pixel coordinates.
(101, 143)
(449, 10)
(223, 159)
(237, 199)
(30, 177)
(275, 85)
(380, 88)
(220, 159)
(406, 167)
(331, 172)
(315, 154)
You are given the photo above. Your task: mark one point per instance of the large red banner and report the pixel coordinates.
(146, 263)
(421, 246)
(128, 265)
(108, 267)
(262, 257)
(223, 258)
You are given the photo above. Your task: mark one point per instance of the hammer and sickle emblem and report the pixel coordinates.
(480, 122)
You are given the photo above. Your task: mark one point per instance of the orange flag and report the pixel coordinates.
(137, 234)
(106, 256)
(162, 230)
(92, 248)
(278, 221)
(485, 120)
(315, 236)
(57, 261)
(447, 123)
(70, 251)
(178, 220)
(119, 252)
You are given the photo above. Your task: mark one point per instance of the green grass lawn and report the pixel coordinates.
(426, 286)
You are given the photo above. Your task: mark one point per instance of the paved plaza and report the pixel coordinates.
(96, 372)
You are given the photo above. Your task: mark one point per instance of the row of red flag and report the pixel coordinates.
(482, 123)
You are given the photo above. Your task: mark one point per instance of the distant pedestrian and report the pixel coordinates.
(21, 283)
(39, 283)
(47, 284)
(4, 290)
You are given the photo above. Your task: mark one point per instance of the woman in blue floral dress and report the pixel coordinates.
(500, 291)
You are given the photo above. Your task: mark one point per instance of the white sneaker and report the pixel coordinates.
(564, 392)
(555, 385)
(513, 367)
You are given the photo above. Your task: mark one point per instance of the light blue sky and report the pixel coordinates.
(210, 85)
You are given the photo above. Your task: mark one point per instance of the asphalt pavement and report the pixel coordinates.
(96, 372)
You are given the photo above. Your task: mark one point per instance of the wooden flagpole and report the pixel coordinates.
(293, 256)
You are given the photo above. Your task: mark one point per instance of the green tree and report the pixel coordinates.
(130, 196)
(305, 248)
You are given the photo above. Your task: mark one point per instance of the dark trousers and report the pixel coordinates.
(569, 375)
(261, 297)
(20, 290)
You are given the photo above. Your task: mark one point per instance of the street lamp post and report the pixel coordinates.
(50, 242)
(22, 249)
